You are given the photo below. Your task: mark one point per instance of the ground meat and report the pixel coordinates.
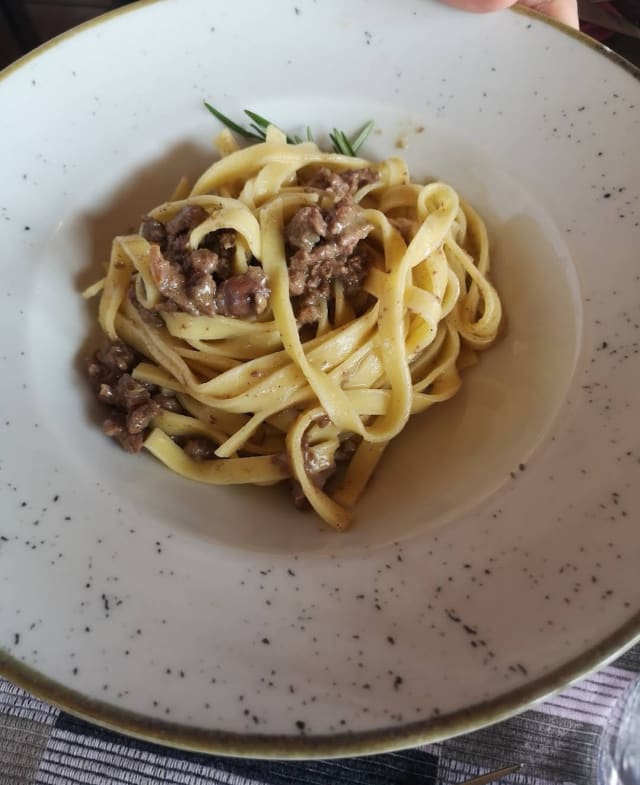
(131, 404)
(308, 308)
(170, 280)
(216, 251)
(358, 178)
(306, 228)
(151, 318)
(356, 271)
(178, 251)
(116, 427)
(198, 293)
(342, 184)
(347, 448)
(323, 244)
(108, 364)
(326, 180)
(223, 244)
(200, 281)
(168, 402)
(153, 231)
(133, 400)
(346, 224)
(125, 394)
(335, 256)
(186, 220)
(201, 294)
(139, 418)
(244, 295)
(202, 260)
(318, 468)
(200, 449)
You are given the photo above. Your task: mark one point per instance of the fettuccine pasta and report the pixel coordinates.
(285, 317)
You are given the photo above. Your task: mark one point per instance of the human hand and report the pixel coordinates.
(563, 10)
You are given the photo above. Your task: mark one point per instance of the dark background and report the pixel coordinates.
(25, 24)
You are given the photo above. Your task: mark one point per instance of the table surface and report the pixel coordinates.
(40, 745)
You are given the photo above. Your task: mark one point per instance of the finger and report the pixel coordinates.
(563, 10)
(480, 6)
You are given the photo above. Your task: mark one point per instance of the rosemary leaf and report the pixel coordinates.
(340, 142)
(264, 123)
(259, 131)
(230, 124)
(362, 137)
(258, 120)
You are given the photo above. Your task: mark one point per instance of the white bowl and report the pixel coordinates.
(495, 555)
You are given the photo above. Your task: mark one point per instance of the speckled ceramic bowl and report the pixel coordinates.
(495, 556)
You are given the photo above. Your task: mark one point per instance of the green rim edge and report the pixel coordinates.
(339, 745)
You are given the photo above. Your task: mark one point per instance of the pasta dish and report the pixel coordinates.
(286, 316)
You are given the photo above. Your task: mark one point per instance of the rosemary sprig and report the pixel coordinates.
(257, 130)
(238, 129)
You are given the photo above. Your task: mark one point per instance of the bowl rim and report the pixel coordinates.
(203, 740)
(276, 746)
